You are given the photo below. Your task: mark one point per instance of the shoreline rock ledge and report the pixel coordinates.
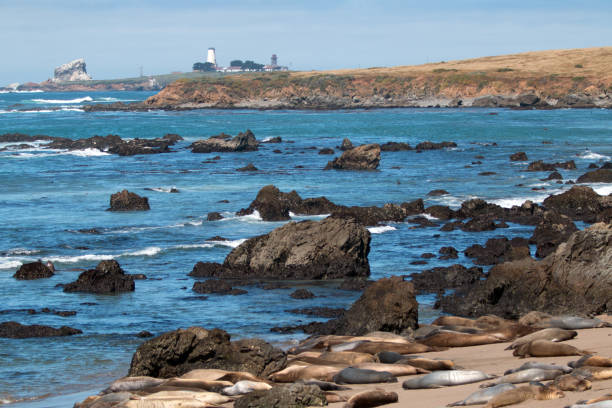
(332, 248)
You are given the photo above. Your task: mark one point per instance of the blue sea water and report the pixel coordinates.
(47, 196)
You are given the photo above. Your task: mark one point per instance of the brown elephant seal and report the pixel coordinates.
(374, 347)
(607, 397)
(483, 396)
(595, 361)
(324, 385)
(454, 321)
(525, 393)
(296, 372)
(427, 363)
(397, 370)
(213, 385)
(332, 397)
(371, 398)
(352, 375)
(569, 382)
(347, 357)
(133, 384)
(551, 334)
(213, 374)
(544, 320)
(523, 376)
(443, 338)
(546, 348)
(594, 373)
(447, 378)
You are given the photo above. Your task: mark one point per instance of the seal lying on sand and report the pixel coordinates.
(440, 379)
(551, 334)
(483, 396)
(523, 376)
(391, 357)
(524, 393)
(397, 370)
(445, 338)
(374, 347)
(133, 384)
(324, 385)
(594, 373)
(545, 348)
(569, 382)
(594, 361)
(296, 372)
(372, 398)
(244, 387)
(544, 320)
(537, 364)
(352, 375)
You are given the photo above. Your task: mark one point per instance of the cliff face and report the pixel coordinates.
(72, 71)
(548, 79)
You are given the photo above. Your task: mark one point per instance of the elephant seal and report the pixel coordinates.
(296, 372)
(352, 375)
(594, 373)
(324, 385)
(483, 396)
(454, 321)
(607, 397)
(445, 378)
(523, 376)
(524, 393)
(427, 363)
(569, 382)
(373, 347)
(546, 348)
(371, 398)
(332, 397)
(133, 384)
(595, 361)
(397, 370)
(348, 346)
(204, 396)
(551, 334)
(347, 357)
(213, 374)
(544, 320)
(543, 366)
(389, 357)
(443, 338)
(599, 404)
(214, 386)
(244, 387)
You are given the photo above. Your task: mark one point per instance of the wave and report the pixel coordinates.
(307, 217)
(232, 243)
(89, 152)
(16, 91)
(162, 189)
(111, 99)
(9, 263)
(602, 189)
(255, 217)
(589, 155)
(149, 251)
(211, 244)
(381, 229)
(22, 251)
(54, 101)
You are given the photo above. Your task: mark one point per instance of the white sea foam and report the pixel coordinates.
(9, 263)
(255, 217)
(428, 216)
(16, 91)
(22, 251)
(194, 246)
(162, 189)
(79, 258)
(54, 101)
(295, 216)
(381, 229)
(231, 244)
(602, 189)
(71, 110)
(589, 155)
(89, 152)
(149, 251)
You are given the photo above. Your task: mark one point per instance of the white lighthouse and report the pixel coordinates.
(211, 57)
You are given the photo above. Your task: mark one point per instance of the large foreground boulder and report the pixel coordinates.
(596, 176)
(106, 278)
(575, 279)
(33, 270)
(128, 201)
(329, 249)
(14, 330)
(177, 352)
(243, 142)
(284, 396)
(389, 304)
(364, 157)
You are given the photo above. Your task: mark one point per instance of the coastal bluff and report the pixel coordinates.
(576, 78)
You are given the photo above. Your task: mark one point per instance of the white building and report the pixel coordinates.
(211, 56)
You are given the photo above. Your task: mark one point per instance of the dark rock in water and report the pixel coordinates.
(555, 175)
(593, 166)
(581, 203)
(138, 276)
(607, 165)
(294, 395)
(601, 175)
(395, 147)
(499, 250)
(326, 150)
(14, 330)
(248, 167)
(20, 137)
(346, 144)
(419, 262)
(479, 224)
(448, 253)
(223, 201)
(93, 231)
(275, 285)
(277, 151)
(114, 144)
(437, 280)
(319, 312)
(541, 166)
(518, 156)
(575, 279)
(435, 146)
(207, 270)
(127, 201)
(177, 352)
(214, 216)
(355, 285)
(276, 139)
(451, 226)
(243, 142)
(435, 193)
(216, 286)
(107, 278)
(553, 229)
(302, 294)
(364, 157)
(428, 255)
(487, 173)
(413, 207)
(389, 304)
(33, 270)
(371, 215)
(440, 212)
(144, 334)
(528, 99)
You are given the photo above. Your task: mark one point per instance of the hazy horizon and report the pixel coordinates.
(117, 37)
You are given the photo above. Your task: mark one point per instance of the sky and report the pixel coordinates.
(117, 37)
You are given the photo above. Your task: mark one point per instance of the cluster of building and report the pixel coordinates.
(211, 58)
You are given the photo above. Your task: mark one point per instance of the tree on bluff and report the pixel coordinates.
(252, 65)
(236, 63)
(203, 66)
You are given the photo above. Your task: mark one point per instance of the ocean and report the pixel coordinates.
(48, 196)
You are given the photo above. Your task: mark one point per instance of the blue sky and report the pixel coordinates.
(116, 37)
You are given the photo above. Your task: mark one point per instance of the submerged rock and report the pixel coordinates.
(518, 156)
(175, 353)
(128, 201)
(33, 270)
(541, 166)
(435, 146)
(395, 147)
(106, 278)
(14, 330)
(243, 142)
(216, 286)
(364, 157)
(499, 250)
